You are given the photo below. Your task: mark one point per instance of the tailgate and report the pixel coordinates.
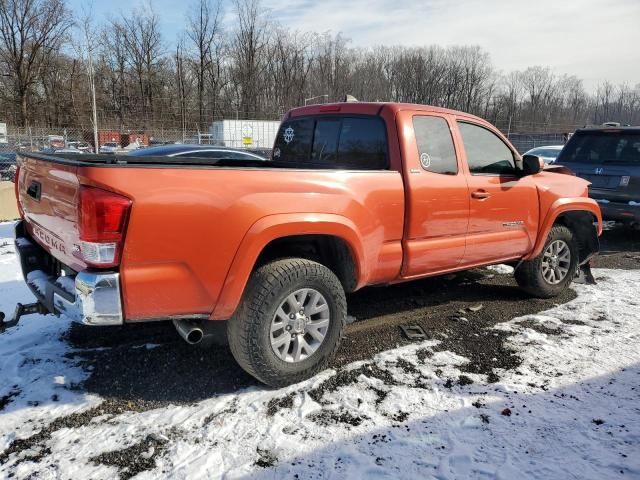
(615, 183)
(48, 193)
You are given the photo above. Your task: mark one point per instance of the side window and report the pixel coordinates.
(435, 145)
(486, 152)
(363, 144)
(293, 143)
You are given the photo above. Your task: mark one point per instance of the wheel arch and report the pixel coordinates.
(580, 215)
(329, 239)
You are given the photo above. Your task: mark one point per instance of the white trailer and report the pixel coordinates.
(243, 133)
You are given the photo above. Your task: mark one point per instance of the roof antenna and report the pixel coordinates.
(349, 99)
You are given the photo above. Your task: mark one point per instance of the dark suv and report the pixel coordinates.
(609, 157)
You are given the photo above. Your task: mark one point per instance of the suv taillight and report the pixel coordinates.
(102, 223)
(16, 186)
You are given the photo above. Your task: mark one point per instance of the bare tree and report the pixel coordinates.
(259, 69)
(143, 44)
(31, 31)
(248, 51)
(204, 33)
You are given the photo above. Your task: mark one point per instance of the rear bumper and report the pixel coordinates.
(619, 211)
(92, 298)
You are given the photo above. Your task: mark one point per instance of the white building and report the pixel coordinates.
(244, 133)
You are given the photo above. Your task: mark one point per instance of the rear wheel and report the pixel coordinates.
(553, 270)
(289, 323)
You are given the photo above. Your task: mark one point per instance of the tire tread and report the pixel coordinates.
(253, 309)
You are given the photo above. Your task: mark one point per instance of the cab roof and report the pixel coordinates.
(374, 108)
(603, 128)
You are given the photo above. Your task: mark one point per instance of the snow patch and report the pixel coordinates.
(501, 269)
(38, 279)
(68, 284)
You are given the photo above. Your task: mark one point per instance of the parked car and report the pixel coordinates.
(7, 165)
(197, 151)
(84, 147)
(61, 150)
(355, 194)
(609, 158)
(548, 153)
(109, 147)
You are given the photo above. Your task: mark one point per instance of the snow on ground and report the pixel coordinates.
(500, 269)
(570, 410)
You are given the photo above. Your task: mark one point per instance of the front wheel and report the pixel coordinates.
(551, 272)
(289, 323)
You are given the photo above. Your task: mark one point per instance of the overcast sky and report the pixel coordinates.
(593, 39)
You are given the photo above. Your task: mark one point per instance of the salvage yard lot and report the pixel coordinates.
(520, 388)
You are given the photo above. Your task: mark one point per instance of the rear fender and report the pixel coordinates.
(560, 206)
(278, 226)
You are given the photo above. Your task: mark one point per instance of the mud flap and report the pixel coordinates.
(584, 275)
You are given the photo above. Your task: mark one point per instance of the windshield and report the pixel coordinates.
(615, 147)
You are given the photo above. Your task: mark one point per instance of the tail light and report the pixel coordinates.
(16, 186)
(102, 222)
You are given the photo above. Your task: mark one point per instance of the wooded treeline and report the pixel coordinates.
(252, 67)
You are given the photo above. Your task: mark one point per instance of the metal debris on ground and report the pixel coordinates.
(458, 318)
(413, 332)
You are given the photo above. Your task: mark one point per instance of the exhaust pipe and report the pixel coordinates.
(189, 330)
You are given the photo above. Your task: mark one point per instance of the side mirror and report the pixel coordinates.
(532, 164)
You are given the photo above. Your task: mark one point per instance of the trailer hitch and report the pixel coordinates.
(21, 310)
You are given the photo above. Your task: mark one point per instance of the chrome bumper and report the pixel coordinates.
(91, 298)
(96, 300)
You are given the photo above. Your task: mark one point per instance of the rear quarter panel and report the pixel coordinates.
(187, 225)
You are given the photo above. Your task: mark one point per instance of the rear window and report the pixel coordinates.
(621, 148)
(332, 142)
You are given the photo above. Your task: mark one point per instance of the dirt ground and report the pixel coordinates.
(8, 207)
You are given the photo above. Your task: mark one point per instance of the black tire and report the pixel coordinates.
(529, 274)
(248, 330)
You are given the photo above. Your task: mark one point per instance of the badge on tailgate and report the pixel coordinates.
(49, 240)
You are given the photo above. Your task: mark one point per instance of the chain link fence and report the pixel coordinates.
(235, 133)
(526, 141)
(247, 134)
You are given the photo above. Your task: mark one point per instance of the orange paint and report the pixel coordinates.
(194, 233)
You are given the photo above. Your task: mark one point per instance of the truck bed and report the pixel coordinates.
(105, 160)
(190, 219)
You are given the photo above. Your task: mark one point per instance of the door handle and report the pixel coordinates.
(480, 194)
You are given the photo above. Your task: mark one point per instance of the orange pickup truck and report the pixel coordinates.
(355, 194)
